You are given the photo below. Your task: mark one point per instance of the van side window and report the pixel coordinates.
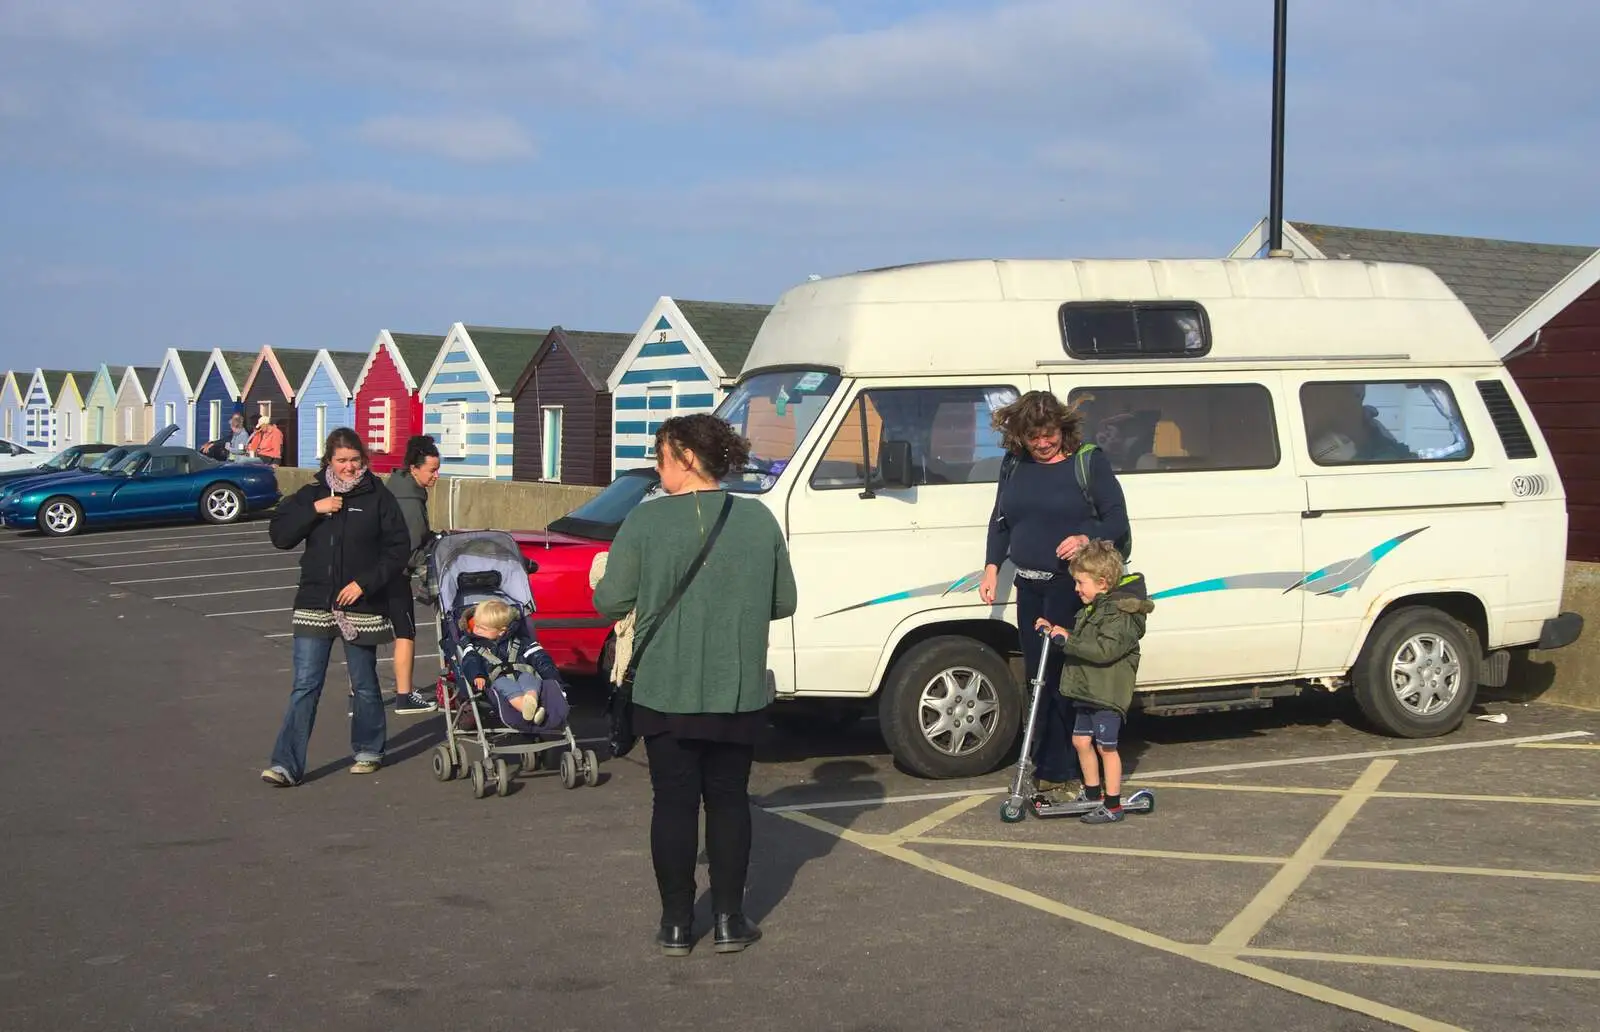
(1135, 329)
(948, 428)
(1383, 421)
(1167, 429)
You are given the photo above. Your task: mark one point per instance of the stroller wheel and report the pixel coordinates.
(502, 778)
(444, 765)
(480, 781)
(591, 768)
(569, 770)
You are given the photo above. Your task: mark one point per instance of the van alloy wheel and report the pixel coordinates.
(1417, 674)
(958, 711)
(1425, 674)
(950, 707)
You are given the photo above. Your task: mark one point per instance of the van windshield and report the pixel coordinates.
(775, 410)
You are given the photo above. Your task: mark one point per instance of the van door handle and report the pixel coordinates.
(1311, 514)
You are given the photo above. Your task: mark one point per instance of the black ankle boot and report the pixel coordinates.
(734, 932)
(675, 940)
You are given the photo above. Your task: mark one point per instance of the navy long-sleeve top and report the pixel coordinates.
(1040, 505)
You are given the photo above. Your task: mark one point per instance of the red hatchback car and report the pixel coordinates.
(575, 636)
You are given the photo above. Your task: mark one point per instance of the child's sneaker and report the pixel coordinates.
(1102, 815)
(531, 709)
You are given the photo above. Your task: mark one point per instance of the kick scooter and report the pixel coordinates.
(1024, 795)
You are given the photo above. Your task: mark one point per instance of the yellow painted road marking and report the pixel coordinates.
(847, 804)
(1426, 965)
(1432, 796)
(940, 816)
(1067, 847)
(1246, 858)
(1556, 745)
(1236, 935)
(885, 846)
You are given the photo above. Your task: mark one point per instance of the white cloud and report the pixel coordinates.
(335, 202)
(196, 142)
(476, 138)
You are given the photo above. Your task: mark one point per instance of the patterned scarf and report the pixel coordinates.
(339, 485)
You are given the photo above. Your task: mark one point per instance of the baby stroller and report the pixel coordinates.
(470, 567)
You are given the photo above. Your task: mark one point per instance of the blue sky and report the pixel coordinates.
(200, 173)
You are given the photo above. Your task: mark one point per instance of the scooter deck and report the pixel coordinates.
(1140, 802)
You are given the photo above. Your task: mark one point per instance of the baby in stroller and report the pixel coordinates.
(500, 654)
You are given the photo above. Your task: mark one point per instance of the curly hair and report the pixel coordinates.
(1038, 412)
(420, 449)
(1100, 560)
(717, 446)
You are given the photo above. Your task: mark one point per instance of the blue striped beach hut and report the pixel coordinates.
(682, 360)
(468, 397)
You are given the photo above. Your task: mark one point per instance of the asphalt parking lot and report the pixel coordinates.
(1298, 872)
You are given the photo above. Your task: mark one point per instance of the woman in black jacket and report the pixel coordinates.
(355, 545)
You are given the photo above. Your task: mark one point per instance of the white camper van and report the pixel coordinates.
(1333, 482)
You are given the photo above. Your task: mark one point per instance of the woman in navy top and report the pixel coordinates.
(1041, 518)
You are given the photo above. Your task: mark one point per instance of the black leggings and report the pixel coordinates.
(683, 771)
(1056, 600)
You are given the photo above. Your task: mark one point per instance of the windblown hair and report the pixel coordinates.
(1038, 412)
(717, 446)
(1100, 560)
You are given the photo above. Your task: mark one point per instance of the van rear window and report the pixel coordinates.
(1135, 329)
(1355, 423)
(1197, 427)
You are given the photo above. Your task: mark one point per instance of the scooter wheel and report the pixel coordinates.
(1011, 812)
(1142, 801)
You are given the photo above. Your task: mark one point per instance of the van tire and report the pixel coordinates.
(1448, 653)
(901, 707)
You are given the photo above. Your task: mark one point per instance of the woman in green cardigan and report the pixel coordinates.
(700, 688)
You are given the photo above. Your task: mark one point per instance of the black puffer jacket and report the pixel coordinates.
(365, 542)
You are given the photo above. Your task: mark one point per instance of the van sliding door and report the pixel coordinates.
(1215, 507)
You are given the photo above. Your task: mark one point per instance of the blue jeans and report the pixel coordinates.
(368, 726)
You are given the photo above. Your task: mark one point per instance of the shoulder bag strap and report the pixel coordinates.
(683, 586)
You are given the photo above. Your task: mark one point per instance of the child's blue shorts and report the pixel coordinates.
(1103, 724)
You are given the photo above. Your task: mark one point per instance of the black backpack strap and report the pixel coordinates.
(683, 586)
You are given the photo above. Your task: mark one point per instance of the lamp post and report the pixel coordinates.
(1280, 36)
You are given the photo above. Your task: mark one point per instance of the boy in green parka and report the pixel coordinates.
(1102, 661)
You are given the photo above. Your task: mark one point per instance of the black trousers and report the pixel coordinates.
(1056, 600)
(683, 773)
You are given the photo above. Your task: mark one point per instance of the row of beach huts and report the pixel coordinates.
(556, 405)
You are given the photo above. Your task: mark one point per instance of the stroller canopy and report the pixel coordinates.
(478, 551)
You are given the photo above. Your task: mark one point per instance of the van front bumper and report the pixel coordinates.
(1560, 631)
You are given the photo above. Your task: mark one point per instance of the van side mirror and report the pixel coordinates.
(894, 464)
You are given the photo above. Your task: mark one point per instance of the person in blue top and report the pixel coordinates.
(1042, 517)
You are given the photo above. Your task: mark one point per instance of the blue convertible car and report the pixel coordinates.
(147, 484)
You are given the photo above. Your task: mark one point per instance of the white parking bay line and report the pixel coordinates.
(175, 562)
(198, 576)
(145, 551)
(95, 542)
(235, 591)
(253, 612)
